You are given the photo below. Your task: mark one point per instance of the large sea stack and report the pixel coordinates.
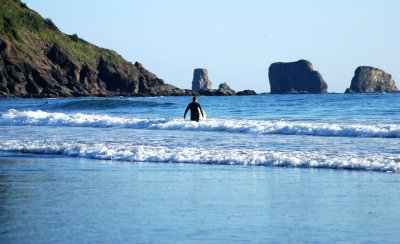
(200, 80)
(369, 79)
(295, 77)
(38, 60)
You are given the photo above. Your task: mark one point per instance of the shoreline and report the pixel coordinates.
(192, 203)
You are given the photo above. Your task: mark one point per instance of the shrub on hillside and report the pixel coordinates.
(50, 23)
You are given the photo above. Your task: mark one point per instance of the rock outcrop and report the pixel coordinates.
(295, 77)
(38, 60)
(200, 80)
(224, 86)
(246, 93)
(226, 89)
(369, 79)
(223, 90)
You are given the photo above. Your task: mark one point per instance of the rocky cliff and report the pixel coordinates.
(369, 79)
(200, 80)
(295, 77)
(38, 60)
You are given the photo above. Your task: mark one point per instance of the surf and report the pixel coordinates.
(264, 127)
(130, 152)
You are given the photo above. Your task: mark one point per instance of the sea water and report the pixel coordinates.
(266, 168)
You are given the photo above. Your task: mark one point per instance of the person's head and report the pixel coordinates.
(195, 99)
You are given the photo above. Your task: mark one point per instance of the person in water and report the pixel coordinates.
(195, 110)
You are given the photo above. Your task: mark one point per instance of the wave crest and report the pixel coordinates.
(245, 157)
(284, 127)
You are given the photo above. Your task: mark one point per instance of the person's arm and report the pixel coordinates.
(184, 115)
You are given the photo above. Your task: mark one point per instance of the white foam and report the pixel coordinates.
(41, 118)
(145, 153)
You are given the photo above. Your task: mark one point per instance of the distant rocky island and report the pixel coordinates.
(371, 80)
(295, 77)
(38, 60)
(300, 78)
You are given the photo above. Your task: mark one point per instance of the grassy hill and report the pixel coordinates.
(38, 60)
(26, 27)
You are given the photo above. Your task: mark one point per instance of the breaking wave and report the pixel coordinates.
(245, 157)
(284, 127)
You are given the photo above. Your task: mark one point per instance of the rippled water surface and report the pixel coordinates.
(267, 168)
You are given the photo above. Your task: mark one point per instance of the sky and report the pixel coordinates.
(237, 41)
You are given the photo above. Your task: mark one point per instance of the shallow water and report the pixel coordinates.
(273, 168)
(60, 199)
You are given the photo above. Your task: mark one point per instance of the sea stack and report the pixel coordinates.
(295, 77)
(369, 80)
(200, 80)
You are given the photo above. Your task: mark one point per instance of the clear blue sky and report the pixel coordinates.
(238, 40)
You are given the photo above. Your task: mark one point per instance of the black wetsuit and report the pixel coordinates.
(194, 111)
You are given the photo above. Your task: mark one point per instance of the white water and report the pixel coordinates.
(333, 131)
(284, 127)
(199, 155)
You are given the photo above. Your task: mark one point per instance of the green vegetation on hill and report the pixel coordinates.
(27, 28)
(38, 60)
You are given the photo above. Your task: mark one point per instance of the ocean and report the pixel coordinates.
(266, 168)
